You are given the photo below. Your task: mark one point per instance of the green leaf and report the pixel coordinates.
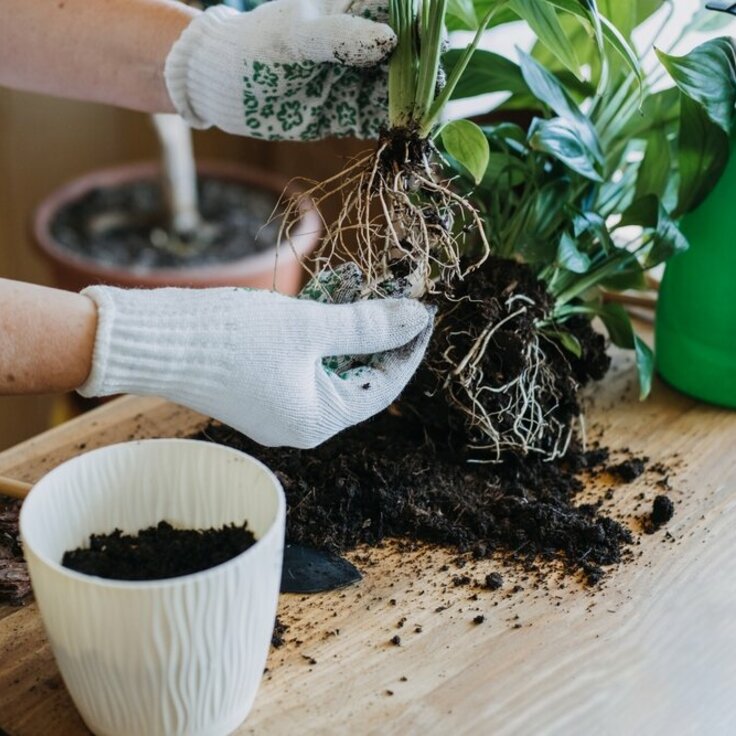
(486, 72)
(707, 75)
(611, 34)
(629, 278)
(645, 365)
(703, 152)
(561, 139)
(466, 143)
(656, 168)
(569, 342)
(621, 331)
(547, 88)
(618, 324)
(570, 257)
(461, 15)
(623, 15)
(543, 20)
(586, 223)
(659, 111)
(667, 239)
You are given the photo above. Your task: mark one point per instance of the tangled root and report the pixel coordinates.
(518, 414)
(398, 220)
(496, 383)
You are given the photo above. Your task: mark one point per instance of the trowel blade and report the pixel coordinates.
(308, 570)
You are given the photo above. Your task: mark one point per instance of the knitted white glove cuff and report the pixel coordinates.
(145, 343)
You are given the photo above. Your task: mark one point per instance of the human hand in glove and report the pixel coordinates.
(257, 360)
(290, 69)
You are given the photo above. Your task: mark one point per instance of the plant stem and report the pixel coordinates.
(402, 73)
(428, 122)
(430, 53)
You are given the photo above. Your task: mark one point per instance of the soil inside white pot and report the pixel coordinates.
(126, 226)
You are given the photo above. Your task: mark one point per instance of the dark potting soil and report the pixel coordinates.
(15, 583)
(489, 296)
(125, 226)
(662, 511)
(158, 552)
(405, 474)
(390, 478)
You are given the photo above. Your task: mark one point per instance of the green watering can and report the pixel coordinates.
(696, 314)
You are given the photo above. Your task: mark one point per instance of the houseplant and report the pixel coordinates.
(584, 198)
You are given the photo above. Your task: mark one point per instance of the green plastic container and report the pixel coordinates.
(696, 316)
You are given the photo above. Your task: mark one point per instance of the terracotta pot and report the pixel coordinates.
(74, 272)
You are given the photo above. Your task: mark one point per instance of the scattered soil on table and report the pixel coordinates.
(158, 552)
(629, 470)
(408, 474)
(663, 509)
(390, 478)
(15, 583)
(125, 226)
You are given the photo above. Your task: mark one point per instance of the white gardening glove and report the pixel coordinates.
(288, 70)
(254, 359)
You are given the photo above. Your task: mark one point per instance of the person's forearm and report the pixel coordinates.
(110, 51)
(47, 338)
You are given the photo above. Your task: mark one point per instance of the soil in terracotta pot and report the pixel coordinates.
(125, 226)
(158, 552)
(405, 474)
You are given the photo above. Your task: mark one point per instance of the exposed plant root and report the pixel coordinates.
(529, 400)
(495, 382)
(398, 221)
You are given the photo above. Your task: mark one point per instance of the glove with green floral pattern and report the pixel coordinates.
(288, 70)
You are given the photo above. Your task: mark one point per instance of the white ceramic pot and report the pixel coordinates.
(178, 656)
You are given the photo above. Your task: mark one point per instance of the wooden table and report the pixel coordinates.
(652, 651)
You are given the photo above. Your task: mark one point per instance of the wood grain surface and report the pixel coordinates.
(652, 650)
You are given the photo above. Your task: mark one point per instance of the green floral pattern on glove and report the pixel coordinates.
(310, 101)
(288, 70)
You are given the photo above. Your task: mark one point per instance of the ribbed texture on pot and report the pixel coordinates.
(178, 656)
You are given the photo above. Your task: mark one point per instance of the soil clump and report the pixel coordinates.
(410, 473)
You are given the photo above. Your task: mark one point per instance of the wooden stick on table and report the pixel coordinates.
(14, 488)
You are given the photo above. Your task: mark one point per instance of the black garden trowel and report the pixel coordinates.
(308, 570)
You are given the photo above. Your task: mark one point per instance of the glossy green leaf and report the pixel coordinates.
(466, 143)
(645, 366)
(592, 224)
(623, 15)
(542, 19)
(610, 33)
(569, 342)
(667, 239)
(547, 88)
(703, 152)
(561, 139)
(570, 257)
(461, 15)
(656, 168)
(629, 278)
(486, 72)
(621, 331)
(707, 75)
(618, 324)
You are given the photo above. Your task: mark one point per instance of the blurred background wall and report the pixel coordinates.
(44, 142)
